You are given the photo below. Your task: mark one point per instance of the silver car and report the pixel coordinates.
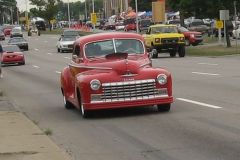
(65, 43)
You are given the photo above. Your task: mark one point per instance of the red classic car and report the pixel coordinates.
(7, 31)
(12, 55)
(113, 70)
(191, 37)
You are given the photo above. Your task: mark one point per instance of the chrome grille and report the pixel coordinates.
(130, 90)
(169, 40)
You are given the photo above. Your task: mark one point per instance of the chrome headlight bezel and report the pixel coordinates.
(95, 84)
(162, 79)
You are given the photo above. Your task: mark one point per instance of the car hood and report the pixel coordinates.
(130, 65)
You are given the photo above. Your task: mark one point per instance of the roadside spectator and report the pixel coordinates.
(1, 51)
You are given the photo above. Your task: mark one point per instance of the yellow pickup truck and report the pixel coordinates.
(165, 38)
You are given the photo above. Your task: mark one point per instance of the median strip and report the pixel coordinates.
(209, 74)
(199, 103)
(34, 66)
(210, 64)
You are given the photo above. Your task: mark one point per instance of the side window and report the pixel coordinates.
(76, 50)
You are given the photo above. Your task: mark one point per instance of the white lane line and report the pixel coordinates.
(210, 64)
(58, 72)
(209, 74)
(67, 57)
(35, 66)
(49, 53)
(36, 49)
(199, 103)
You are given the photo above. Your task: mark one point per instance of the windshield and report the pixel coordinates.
(68, 38)
(16, 30)
(15, 40)
(103, 48)
(11, 48)
(145, 22)
(165, 29)
(70, 33)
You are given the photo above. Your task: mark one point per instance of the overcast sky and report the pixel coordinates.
(22, 4)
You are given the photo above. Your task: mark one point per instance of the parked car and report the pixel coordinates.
(236, 32)
(2, 36)
(130, 24)
(12, 55)
(109, 26)
(144, 24)
(191, 37)
(20, 42)
(119, 26)
(198, 26)
(65, 43)
(7, 31)
(113, 70)
(165, 38)
(16, 32)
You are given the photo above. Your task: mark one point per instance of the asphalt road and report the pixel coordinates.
(204, 123)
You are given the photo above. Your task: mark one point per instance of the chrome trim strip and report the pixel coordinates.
(88, 67)
(128, 82)
(130, 99)
(145, 64)
(129, 75)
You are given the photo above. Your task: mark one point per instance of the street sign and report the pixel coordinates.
(224, 15)
(52, 21)
(219, 24)
(94, 18)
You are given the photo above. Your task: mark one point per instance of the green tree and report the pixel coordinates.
(143, 5)
(45, 8)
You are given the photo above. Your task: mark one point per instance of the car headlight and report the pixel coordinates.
(192, 35)
(157, 40)
(162, 79)
(95, 84)
(181, 38)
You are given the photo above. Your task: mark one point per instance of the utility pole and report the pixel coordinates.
(235, 17)
(69, 19)
(137, 28)
(26, 15)
(86, 17)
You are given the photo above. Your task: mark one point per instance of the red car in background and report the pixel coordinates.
(191, 37)
(12, 55)
(113, 70)
(130, 24)
(7, 31)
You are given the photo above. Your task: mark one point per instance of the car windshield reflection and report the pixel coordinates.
(103, 48)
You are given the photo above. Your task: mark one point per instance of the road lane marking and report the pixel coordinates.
(199, 103)
(209, 74)
(36, 49)
(210, 64)
(49, 53)
(67, 57)
(58, 72)
(36, 66)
